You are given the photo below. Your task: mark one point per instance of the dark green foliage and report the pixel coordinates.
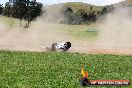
(76, 14)
(92, 17)
(68, 10)
(91, 8)
(1, 9)
(23, 10)
(7, 10)
(79, 17)
(104, 10)
(19, 9)
(68, 15)
(34, 9)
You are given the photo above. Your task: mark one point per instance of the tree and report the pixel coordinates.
(92, 17)
(1, 8)
(68, 10)
(33, 10)
(68, 15)
(91, 8)
(23, 10)
(19, 9)
(81, 16)
(104, 11)
(7, 9)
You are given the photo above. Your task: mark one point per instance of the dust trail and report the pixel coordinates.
(114, 33)
(31, 39)
(40, 33)
(54, 14)
(116, 30)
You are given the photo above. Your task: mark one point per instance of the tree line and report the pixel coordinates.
(29, 10)
(22, 9)
(1, 8)
(81, 16)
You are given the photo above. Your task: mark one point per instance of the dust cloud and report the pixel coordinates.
(54, 14)
(30, 39)
(116, 30)
(41, 33)
(114, 33)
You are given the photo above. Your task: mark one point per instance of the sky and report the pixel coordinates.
(93, 2)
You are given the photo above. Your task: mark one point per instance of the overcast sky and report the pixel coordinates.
(94, 2)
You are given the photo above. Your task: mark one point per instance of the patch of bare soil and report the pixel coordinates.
(102, 51)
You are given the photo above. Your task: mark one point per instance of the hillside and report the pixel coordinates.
(129, 1)
(55, 12)
(86, 7)
(124, 3)
(75, 6)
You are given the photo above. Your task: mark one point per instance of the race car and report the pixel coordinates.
(59, 47)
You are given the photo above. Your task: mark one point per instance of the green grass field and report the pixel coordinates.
(59, 70)
(11, 22)
(81, 32)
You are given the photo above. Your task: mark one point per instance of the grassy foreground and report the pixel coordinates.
(59, 70)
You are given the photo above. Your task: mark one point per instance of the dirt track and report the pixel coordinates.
(114, 36)
(32, 40)
(103, 51)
